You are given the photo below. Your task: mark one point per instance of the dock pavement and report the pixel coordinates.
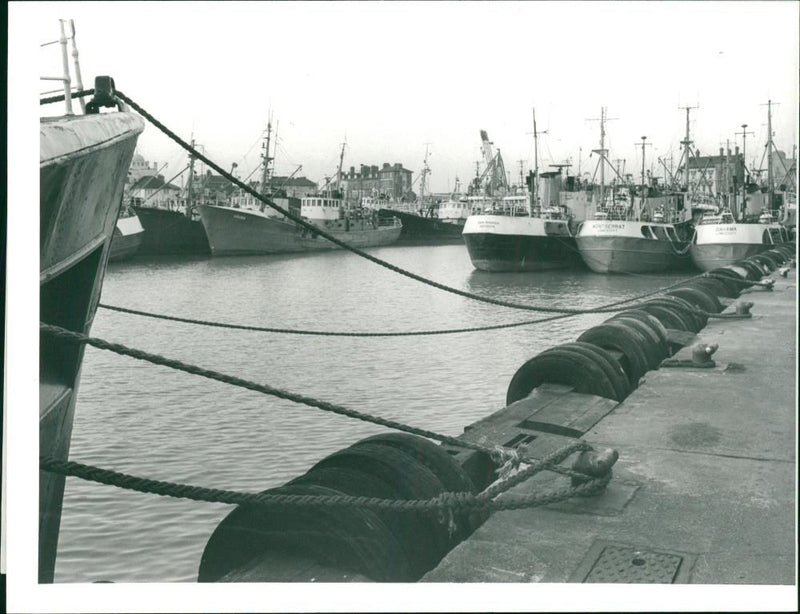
(704, 491)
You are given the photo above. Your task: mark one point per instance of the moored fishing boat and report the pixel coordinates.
(128, 236)
(525, 231)
(634, 235)
(170, 228)
(423, 227)
(233, 231)
(456, 209)
(721, 240)
(514, 237)
(789, 215)
(421, 218)
(731, 235)
(171, 231)
(83, 163)
(629, 244)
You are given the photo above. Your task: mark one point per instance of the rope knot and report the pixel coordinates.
(507, 460)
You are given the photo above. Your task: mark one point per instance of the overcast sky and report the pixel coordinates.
(390, 77)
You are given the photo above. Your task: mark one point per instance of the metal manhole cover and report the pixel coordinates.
(632, 566)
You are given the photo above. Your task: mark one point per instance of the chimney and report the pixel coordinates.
(721, 152)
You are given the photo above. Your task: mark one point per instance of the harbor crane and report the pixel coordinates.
(493, 180)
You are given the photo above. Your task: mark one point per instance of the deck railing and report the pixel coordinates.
(66, 77)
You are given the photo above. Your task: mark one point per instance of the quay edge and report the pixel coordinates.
(706, 478)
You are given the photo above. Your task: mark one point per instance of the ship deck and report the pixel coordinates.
(704, 490)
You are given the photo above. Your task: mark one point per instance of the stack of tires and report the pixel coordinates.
(383, 545)
(609, 360)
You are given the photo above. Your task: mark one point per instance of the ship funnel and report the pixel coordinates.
(550, 189)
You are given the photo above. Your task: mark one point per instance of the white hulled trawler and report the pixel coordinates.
(630, 234)
(521, 231)
(727, 236)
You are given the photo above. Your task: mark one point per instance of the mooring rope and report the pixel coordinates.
(608, 308)
(486, 500)
(295, 331)
(62, 97)
(499, 455)
(344, 245)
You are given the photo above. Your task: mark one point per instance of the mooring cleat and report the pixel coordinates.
(701, 358)
(594, 464)
(702, 353)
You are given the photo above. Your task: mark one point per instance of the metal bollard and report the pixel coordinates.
(594, 464)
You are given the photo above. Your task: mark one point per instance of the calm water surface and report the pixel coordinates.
(153, 422)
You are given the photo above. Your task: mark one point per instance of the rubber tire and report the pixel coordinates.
(408, 480)
(630, 342)
(560, 367)
(754, 270)
(765, 261)
(443, 466)
(776, 255)
(715, 286)
(692, 309)
(702, 317)
(698, 296)
(351, 538)
(610, 365)
(449, 472)
(653, 347)
(668, 316)
(736, 279)
(684, 310)
(403, 525)
(654, 324)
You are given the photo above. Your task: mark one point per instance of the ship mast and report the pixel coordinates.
(266, 161)
(339, 168)
(534, 193)
(686, 142)
(189, 195)
(770, 150)
(644, 186)
(746, 173)
(770, 145)
(603, 154)
(423, 176)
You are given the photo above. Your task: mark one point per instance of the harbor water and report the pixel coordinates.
(154, 422)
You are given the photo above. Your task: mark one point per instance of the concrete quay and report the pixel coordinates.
(704, 491)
